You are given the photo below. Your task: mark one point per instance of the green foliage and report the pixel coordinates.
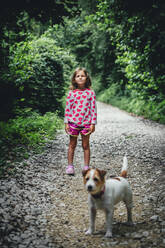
(72, 35)
(90, 46)
(28, 131)
(22, 28)
(88, 6)
(133, 67)
(38, 69)
(140, 78)
(34, 76)
(121, 43)
(116, 45)
(137, 39)
(108, 94)
(34, 69)
(147, 108)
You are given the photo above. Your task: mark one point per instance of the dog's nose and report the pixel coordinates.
(89, 188)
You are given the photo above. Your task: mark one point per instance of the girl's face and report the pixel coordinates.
(80, 79)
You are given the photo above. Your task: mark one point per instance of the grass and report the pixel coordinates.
(26, 134)
(149, 109)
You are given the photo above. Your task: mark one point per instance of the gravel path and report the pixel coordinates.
(41, 207)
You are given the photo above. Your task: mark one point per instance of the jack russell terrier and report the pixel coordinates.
(104, 194)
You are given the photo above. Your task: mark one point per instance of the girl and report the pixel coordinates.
(80, 116)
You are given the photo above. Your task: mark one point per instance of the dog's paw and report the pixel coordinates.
(108, 234)
(89, 232)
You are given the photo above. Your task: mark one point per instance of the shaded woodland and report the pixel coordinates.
(121, 43)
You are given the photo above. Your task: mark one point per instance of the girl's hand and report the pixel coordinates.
(67, 128)
(92, 128)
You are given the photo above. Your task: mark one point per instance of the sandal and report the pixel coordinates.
(86, 167)
(70, 170)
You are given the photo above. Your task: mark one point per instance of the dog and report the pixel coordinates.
(105, 194)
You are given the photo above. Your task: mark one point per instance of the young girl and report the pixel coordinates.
(80, 116)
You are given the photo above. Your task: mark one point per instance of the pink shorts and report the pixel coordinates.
(74, 129)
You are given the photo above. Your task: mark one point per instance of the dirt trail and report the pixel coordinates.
(43, 207)
(117, 133)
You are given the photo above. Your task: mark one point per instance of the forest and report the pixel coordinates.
(120, 43)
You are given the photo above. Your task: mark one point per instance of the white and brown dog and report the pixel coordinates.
(104, 194)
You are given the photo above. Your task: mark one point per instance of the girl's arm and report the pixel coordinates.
(67, 128)
(67, 107)
(92, 128)
(93, 108)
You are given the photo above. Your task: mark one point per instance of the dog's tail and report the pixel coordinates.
(124, 167)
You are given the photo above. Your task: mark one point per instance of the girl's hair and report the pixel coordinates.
(88, 82)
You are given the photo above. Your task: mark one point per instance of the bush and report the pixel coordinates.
(38, 69)
(108, 94)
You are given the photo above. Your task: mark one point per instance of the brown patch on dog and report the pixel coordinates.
(101, 173)
(85, 174)
(99, 177)
(117, 178)
(124, 174)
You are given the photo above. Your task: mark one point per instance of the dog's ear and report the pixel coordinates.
(84, 172)
(102, 173)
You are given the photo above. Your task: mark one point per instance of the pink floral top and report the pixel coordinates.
(81, 107)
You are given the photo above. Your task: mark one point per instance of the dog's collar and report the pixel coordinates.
(99, 195)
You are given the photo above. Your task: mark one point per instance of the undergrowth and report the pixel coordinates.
(149, 109)
(25, 134)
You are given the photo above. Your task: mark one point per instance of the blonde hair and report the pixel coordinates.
(88, 82)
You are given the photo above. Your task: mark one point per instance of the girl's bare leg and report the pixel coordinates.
(86, 148)
(71, 150)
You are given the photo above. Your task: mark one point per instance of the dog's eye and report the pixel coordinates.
(96, 179)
